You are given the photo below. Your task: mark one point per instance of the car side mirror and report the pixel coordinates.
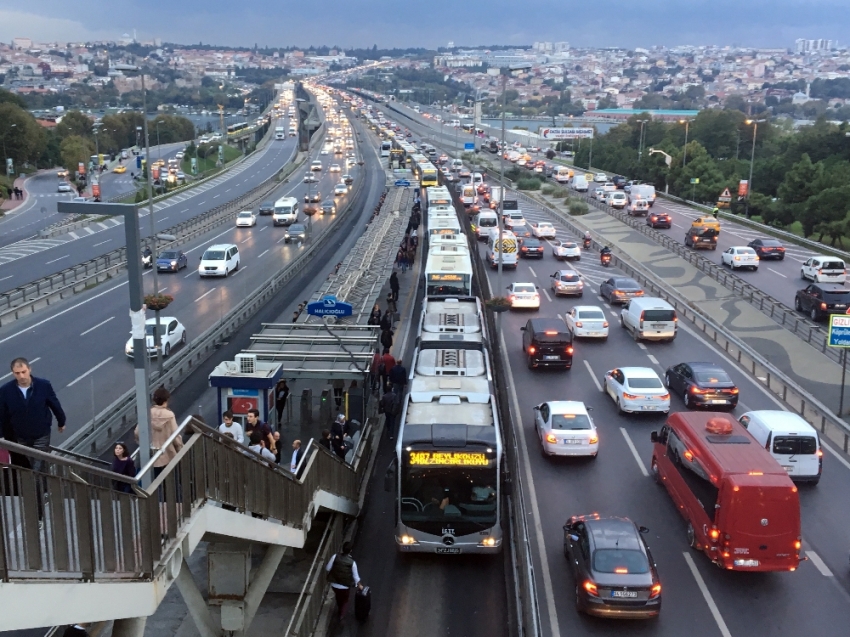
(536, 408)
(653, 436)
(643, 529)
(522, 328)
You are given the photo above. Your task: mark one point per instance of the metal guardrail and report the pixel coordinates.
(771, 377)
(120, 415)
(29, 298)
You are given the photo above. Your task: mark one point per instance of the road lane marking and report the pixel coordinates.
(548, 298)
(592, 375)
(9, 375)
(98, 244)
(281, 239)
(533, 273)
(242, 267)
(264, 251)
(216, 196)
(207, 293)
(91, 329)
(779, 273)
(641, 345)
(815, 559)
(532, 492)
(91, 371)
(55, 260)
(614, 314)
(190, 274)
(212, 239)
(634, 452)
(7, 277)
(264, 228)
(707, 595)
(653, 359)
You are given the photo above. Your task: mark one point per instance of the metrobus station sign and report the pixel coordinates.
(839, 330)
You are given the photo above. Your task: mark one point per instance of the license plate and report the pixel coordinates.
(448, 551)
(623, 593)
(746, 562)
(596, 333)
(788, 469)
(658, 326)
(551, 358)
(719, 402)
(647, 407)
(572, 441)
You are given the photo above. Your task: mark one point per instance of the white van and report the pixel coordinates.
(219, 260)
(562, 174)
(580, 183)
(507, 245)
(649, 318)
(483, 222)
(477, 179)
(645, 192)
(824, 270)
(285, 211)
(792, 441)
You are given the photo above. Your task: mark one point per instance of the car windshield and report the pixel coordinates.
(620, 561)
(519, 230)
(587, 315)
(570, 421)
(524, 287)
(568, 244)
(168, 255)
(488, 223)
(833, 265)
(214, 255)
(712, 377)
(644, 383)
(296, 227)
(806, 445)
(569, 277)
(771, 243)
(531, 243)
(626, 284)
(149, 328)
(245, 214)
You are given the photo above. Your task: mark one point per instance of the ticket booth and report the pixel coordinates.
(245, 384)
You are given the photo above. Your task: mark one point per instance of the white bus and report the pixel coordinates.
(448, 274)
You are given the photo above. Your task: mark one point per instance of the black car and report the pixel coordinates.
(659, 220)
(313, 197)
(615, 572)
(547, 342)
(530, 247)
(266, 208)
(328, 207)
(819, 300)
(295, 232)
(702, 385)
(619, 181)
(768, 248)
(521, 231)
(620, 289)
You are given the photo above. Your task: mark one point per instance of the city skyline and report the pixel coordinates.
(699, 24)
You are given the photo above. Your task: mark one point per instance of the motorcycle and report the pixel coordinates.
(147, 261)
(605, 258)
(586, 243)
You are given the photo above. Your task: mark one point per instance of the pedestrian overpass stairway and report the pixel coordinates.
(75, 548)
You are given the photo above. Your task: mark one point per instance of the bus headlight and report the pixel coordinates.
(488, 542)
(407, 540)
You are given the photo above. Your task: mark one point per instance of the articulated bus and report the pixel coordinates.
(449, 452)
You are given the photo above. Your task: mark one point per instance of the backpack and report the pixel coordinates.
(382, 368)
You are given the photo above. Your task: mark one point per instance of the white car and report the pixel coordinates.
(172, 334)
(524, 295)
(543, 230)
(824, 270)
(180, 155)
(564, 250)
(324, 151)
(310, 178)
(600, 178)
(335, 168)
(740, 257)
(587, 321)
(340, 189)
(636, 389)
(598, 194)
(617, 200)
(246, 219)
(316, 166)
(565, 429)
(64, 186)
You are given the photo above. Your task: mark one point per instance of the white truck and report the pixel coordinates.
(285, 211)
(643, 192)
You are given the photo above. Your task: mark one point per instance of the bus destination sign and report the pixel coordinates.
(449, 458)
(445, 278)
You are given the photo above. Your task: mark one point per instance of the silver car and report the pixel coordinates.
(564, 250)
(567, 282)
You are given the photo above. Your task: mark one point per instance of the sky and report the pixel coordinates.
(362, 23)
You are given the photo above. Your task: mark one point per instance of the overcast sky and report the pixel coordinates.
(596, 23)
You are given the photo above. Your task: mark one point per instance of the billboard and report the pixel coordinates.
(555, 134)
(743, 188)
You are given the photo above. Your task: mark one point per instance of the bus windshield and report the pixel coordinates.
(448, 285)
(462, 494)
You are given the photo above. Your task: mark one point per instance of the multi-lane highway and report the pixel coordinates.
(79, 344)
(29, 260)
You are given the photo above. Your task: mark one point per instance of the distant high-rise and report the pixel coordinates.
(802, 45)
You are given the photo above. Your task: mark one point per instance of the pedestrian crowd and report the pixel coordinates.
(15, 193)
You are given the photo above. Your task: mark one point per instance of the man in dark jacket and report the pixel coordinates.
(387, 339)
(390, 406)
(394, 285)
(342, 572)
(398, 377)
(27, 407)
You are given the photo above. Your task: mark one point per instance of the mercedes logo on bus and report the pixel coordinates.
(448, 540)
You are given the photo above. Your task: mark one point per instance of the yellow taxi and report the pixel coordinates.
(120, 170)
(62, 174)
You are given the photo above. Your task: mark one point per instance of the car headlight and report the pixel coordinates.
(173, 263)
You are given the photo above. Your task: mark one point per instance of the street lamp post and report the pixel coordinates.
(158, 145)
(501, 183)
(755, 123)
(685, 149)
(640, 139)
(667, 160)
(4, 148)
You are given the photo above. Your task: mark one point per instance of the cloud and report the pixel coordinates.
(41, 28)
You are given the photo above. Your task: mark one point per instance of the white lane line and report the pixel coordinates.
(264, 251)
(162, 219)
(243, 267)
(184, 210)
(190, 274)
(533, 273)
(815, 559)
(592, 375)
(535, 509)
(207, 293)
(264, 228)
(92, 329)
(838, 456)
(9, 375)
(55, 260)
(244, 240)
(7, 277)
(653, 359)
(281, 239)
(634, 452)
(779, 273)
(216, 196)
(614, 314)
(548, 298)
(92, 370)
(641, 345)
(707, 595)
(101, 243)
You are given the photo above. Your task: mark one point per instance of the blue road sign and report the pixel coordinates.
(469, 145)
(839, 330)
(329, 306)
(138, 161)
(402, 182)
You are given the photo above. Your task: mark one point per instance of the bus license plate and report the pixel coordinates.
(453, 551)
(623, 593)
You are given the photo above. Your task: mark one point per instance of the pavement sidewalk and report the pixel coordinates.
(10, 204)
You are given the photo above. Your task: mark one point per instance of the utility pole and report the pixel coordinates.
(501, 184)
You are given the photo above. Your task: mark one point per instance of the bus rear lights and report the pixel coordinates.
(408, 540)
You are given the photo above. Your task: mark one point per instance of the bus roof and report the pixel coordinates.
(450, 401)
(727, 454)
(452, 316)
(448, 263)
(448, 359)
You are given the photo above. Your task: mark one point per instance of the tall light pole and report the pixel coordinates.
(640, 139)
(501, 183)
(685, 149)
(755, 123)
(158, 145)
(5, 156)
(667, 160)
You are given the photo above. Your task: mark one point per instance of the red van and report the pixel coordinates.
(741, 507)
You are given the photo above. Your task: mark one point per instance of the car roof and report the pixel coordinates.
(221, 246)
(567, 407)
(588, 308)
(542, 323)
(524, 283)
(830, 287)
(702, 367)
(638, 372)
(609, 533)
(622, 280)
(785, 420)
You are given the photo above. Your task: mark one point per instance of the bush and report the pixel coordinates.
(528, 183)
(560, 193)
(547, 189)
(577, 206)
(550, 154)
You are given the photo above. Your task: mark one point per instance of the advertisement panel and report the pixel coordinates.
(743, 188)
(555, 134)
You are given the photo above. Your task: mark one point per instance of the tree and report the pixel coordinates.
(700, 166)
(735, 103)
(24, 140)
(74, 123)
(826, 207)
(75, 150)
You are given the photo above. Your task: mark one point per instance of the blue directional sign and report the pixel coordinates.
(469, 145)
(138, 161)
(329, 306)
(839, 330)
(402, 182)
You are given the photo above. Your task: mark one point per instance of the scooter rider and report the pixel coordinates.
(605, 255)
(587, 240)
(147, 257)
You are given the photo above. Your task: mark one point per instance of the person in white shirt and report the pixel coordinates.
(233, 428)
(258, 445)
(342, 572)
(296, 455)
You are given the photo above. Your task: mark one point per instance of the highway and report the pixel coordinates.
(696, 594)
(79, 344)
(27, 260)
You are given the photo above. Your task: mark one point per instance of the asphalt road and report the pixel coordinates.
(29, 260)
(616, 483)
(79, 344)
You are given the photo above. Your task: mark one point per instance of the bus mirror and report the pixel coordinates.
(654, 436)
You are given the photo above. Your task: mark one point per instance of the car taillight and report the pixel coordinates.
(590, 587)
(604, 323)
(629, 397)
(532, 349)
(697, 390)
(551, 438)
(823, 306)
(569, 350)
(593, 440)
(511, 298)
(655, 591)
(798, 545)
(734, 390)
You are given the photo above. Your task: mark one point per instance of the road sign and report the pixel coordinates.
(839, 330)
(329, 306)
(694, 180)
(566, 133)
(469, 146)
(725, 196)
